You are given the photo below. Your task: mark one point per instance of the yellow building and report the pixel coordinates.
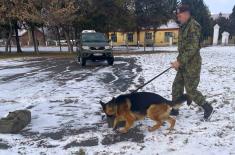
(165, 35)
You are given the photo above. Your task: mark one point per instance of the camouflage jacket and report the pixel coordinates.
(189, 47)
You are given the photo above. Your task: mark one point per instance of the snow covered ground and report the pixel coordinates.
(66, 116)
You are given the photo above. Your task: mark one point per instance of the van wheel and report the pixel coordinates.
(83, 62)
(110, 61)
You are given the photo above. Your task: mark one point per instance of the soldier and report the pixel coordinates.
(188, 63)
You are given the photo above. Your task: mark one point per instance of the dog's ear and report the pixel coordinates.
(102, 103)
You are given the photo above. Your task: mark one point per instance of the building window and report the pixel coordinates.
(114, 37)
(148, 36)
(130, 37)
(168, 35)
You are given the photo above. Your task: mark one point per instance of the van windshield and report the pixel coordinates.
(93, 37)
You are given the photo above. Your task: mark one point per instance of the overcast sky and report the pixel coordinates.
(217, 6)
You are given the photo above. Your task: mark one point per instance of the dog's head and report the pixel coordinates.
(109, 108)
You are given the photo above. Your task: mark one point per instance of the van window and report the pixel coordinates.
(93, 37)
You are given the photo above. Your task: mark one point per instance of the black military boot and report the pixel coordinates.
(208, 111)
(174, 112)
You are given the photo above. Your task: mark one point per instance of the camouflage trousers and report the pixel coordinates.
(182, 80)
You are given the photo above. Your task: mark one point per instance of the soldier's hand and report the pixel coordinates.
(175, 65)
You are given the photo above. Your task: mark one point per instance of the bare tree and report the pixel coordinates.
(60, 14)
(9, 16)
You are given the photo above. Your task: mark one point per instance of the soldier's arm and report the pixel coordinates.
(192, 45)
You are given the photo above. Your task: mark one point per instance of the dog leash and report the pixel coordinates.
(151, 80)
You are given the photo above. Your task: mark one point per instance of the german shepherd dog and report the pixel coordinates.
(136, 106)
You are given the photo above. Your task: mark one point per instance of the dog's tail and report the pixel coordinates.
(178, 102)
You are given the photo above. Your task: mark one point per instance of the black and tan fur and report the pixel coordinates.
(137, 106)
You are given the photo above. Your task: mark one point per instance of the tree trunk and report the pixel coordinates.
(107, 31)
(35, 42)
(10, 47)
(144, 41)
(70, 46)
(44, 36)
(71, 36)
(8, 41)
(138, 38)
(107, 35)
(18, 47)
(76, 33)
(127, 45)
(58, 37)
(76, 36)
(154, 35)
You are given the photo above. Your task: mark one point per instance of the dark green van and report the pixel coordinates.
(94, 46)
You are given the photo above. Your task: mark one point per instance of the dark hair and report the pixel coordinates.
(183, 8)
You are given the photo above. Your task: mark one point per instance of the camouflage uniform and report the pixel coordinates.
(188, 75)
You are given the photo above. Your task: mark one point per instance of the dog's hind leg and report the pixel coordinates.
(157, 113)
(172, 122)
(153, 114)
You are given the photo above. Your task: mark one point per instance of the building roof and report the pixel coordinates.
(21, 32)
(216, 16)
(170, 25)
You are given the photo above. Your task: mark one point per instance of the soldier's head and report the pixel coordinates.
(183, 14)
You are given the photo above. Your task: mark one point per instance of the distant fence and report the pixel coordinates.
(47, 43)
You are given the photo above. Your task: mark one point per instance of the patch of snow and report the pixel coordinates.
(13, 71)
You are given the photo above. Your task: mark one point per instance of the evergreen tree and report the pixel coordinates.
(107, 15)
(202, 14)
(151, 13)
(232, 22)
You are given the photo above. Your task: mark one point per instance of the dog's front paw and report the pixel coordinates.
(123, 130)
(170, 129)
